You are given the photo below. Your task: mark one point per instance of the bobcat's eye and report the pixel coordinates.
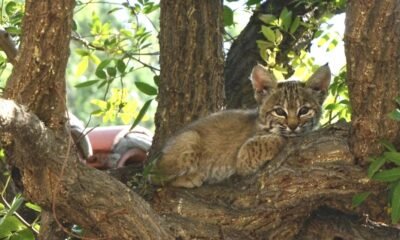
(280, 112)
(304, 111)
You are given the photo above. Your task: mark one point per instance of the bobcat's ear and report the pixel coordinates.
(320, 80)
(262, 81)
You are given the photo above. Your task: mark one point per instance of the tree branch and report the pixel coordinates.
(100, 206)
(312, 171)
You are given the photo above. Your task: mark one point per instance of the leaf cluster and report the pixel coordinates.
(385, 168)
(12, 225)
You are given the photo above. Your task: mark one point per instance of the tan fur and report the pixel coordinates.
(241, 141)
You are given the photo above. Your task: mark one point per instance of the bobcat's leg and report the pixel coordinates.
(256, 151)
(179, 158)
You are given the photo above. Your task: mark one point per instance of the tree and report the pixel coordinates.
(274, 203)
(191, 62)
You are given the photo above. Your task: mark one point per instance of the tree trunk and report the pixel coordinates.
(191, 59)
(38, 77)
(372, 40)
(244, 53)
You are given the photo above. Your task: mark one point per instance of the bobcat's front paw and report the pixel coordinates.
(256, 151)
(188, 181)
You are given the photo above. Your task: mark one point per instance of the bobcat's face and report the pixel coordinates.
(291, 109)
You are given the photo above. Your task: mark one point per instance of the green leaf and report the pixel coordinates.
(9, 225)
(150, 7)
(16, 203)
(345, 102)
(34, 207)
(82, 66)
(82, 52)
(112, 71)
(389, 175)
(228, 16)
(395, 115)
(263, 45)
(388, 145)
(267, 18)
(24, 234)
(103, 64)
(156, 80)
(146, 88)
(268, 33)
(94, 58)
(332, 45)
(252, 2)
(375, 165)
(11, 8)
(100, 73)
(13, 30)
(86, 84)
(394, 157)
(97, 112)
(142, 111)
(278, 36)
(295, 25)
(286, 18)
(359, 198)
(121, 65)
(323, 39)
(102, 84)
(395, 203)
(114, 10)
(74, 25)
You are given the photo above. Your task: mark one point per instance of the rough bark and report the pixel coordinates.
(372, 44)
(38, 77)
(326, 223)
(191, 60)
(244, 53)
(53, 178)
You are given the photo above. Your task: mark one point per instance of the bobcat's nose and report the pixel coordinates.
(293, 127)
(293, 123)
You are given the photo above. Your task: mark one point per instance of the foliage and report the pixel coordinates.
(12, 225)
(11, 17)
(337, 106)
(386, 168)
(273, 32)
(116, 51)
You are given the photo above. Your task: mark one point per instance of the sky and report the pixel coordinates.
(336, 58)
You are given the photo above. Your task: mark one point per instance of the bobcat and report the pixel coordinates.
(241, 141)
